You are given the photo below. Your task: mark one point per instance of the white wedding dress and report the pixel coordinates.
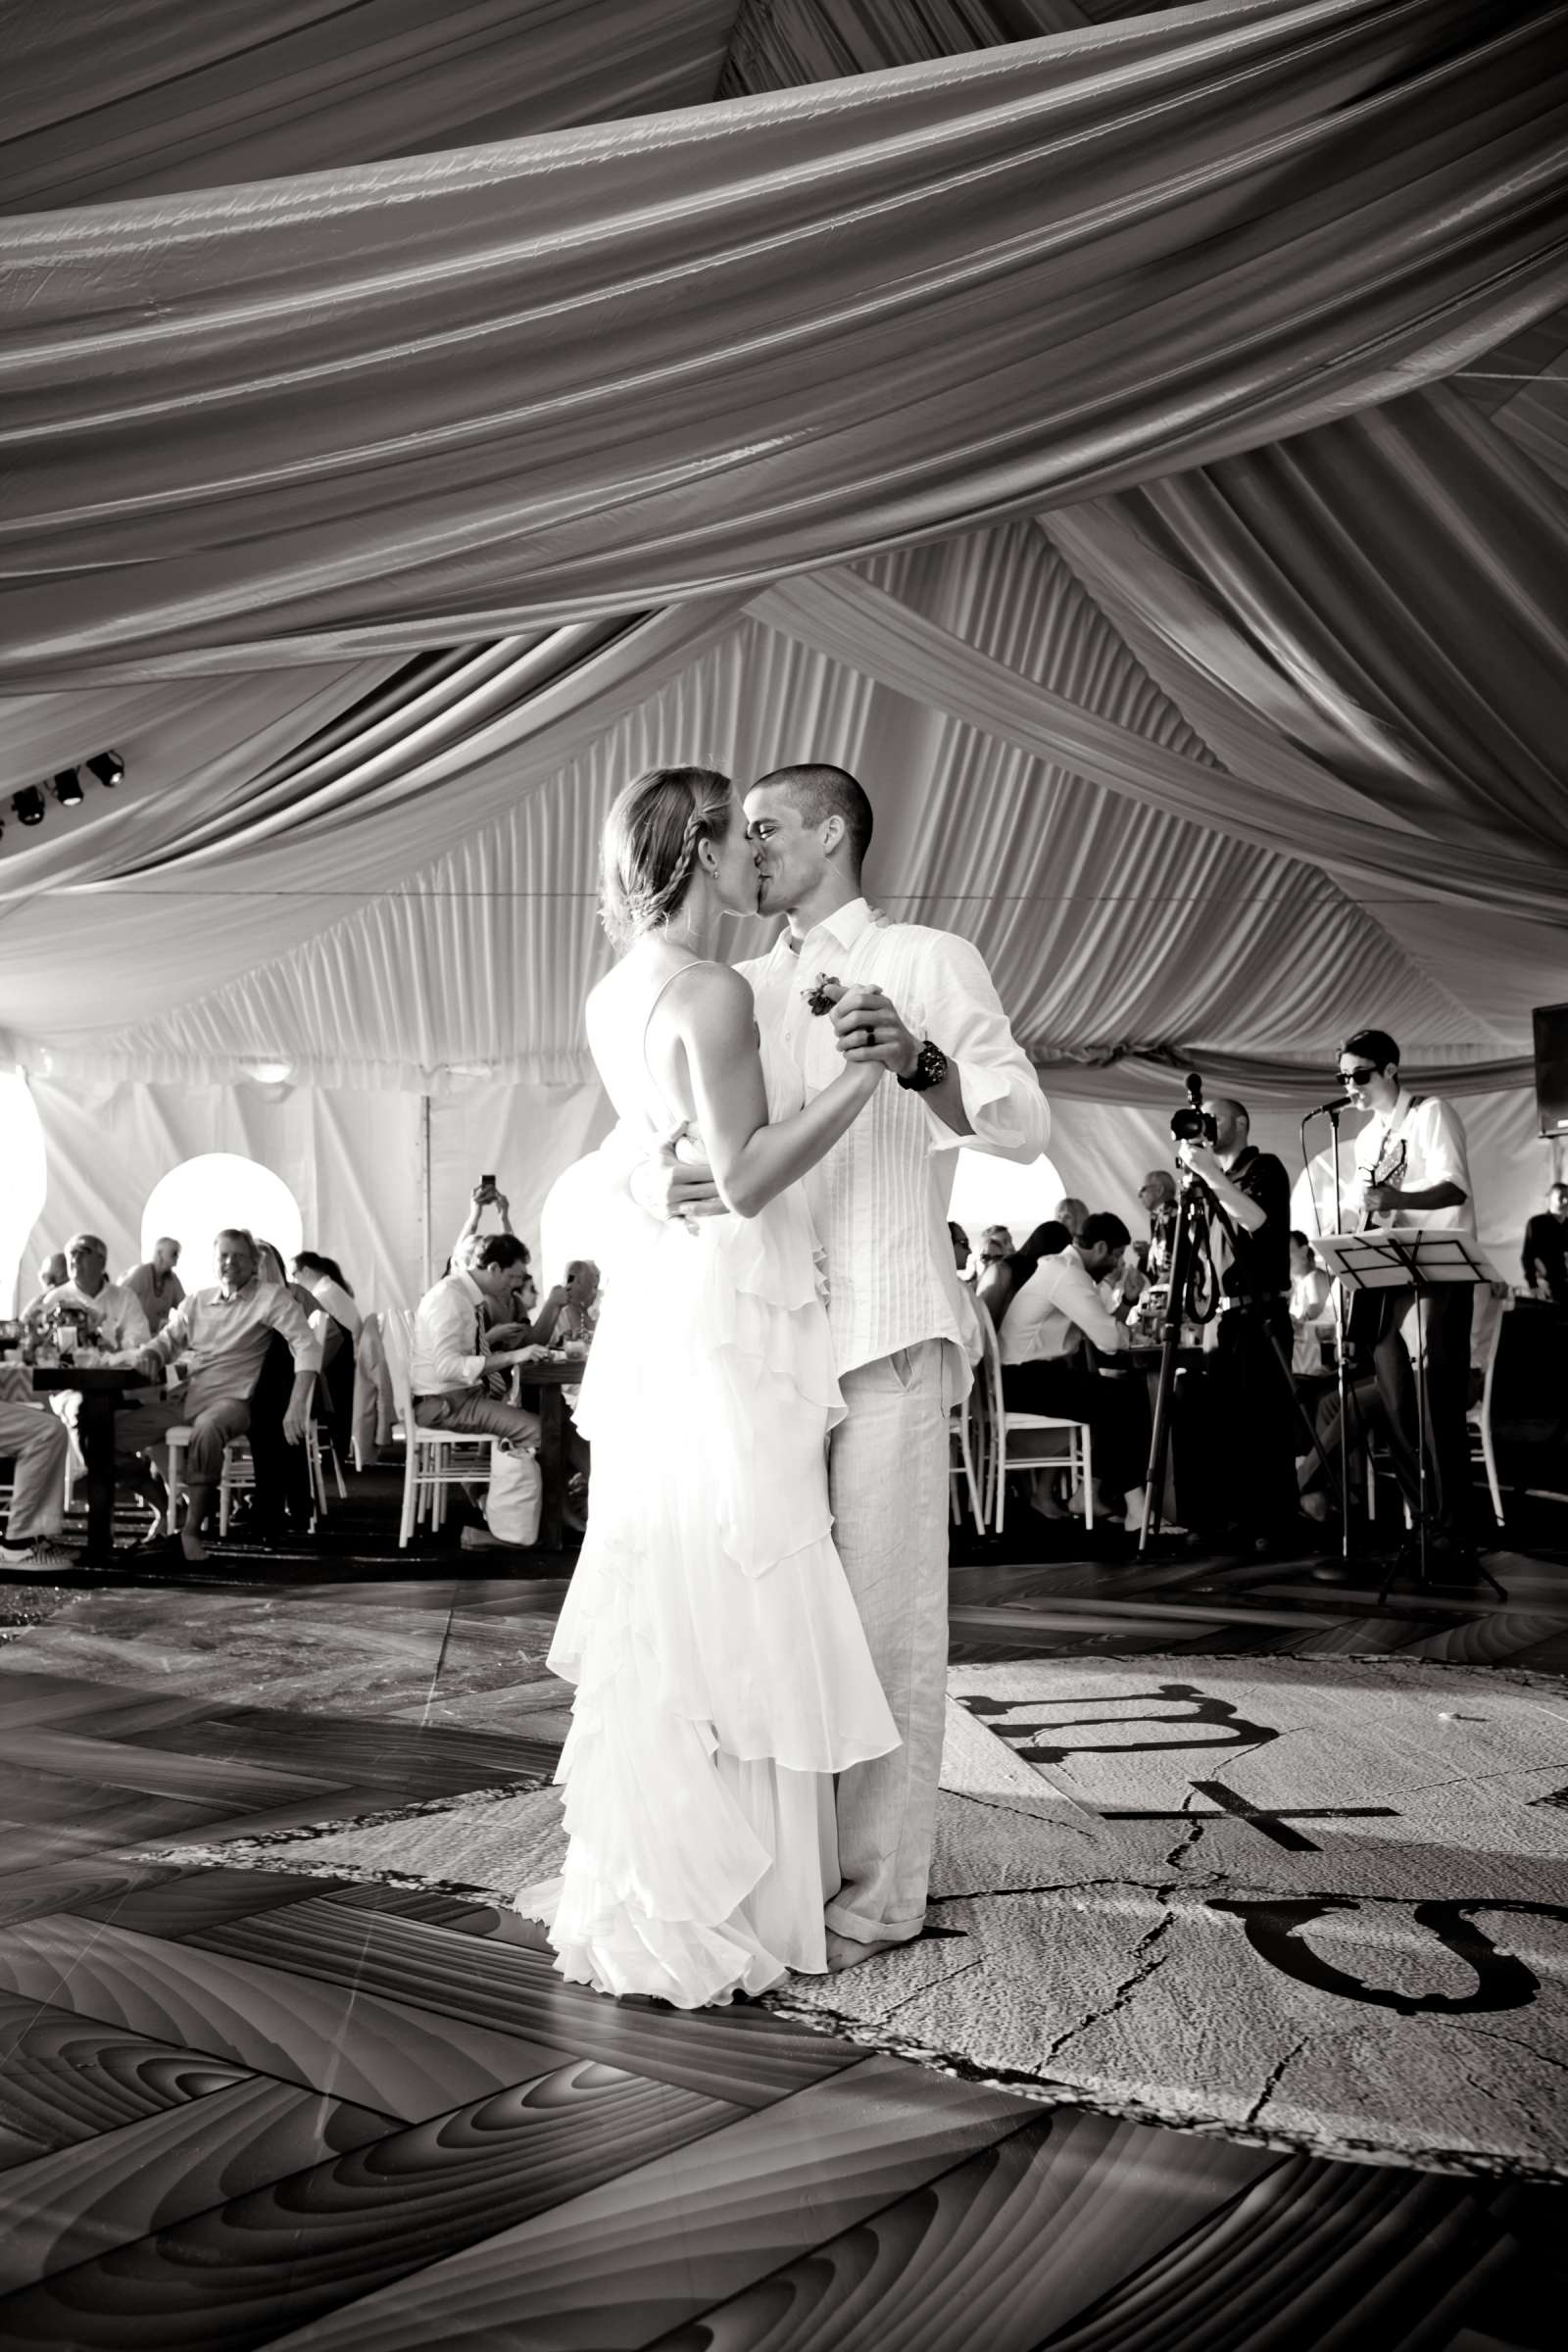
(721, 1672)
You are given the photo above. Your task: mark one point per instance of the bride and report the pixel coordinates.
(722, 1677)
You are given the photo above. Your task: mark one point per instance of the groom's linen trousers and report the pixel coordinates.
(888, 1484)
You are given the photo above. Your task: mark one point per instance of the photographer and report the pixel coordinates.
(1254, 1385)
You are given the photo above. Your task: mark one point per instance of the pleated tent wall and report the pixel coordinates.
(419, 421)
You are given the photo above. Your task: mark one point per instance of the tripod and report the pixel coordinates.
(1197, 1207)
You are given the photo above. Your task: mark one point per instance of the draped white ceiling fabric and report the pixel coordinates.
(423, 417)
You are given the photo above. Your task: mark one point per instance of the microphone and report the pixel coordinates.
(1340, 1103)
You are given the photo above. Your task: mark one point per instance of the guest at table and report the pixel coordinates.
(995, 1244)
(1158, 1193)
(119, 1325)
(511, 1323)
(1311, 1290)
(270, 1268)
(52, 1272)
(37, 1443)
(457, 1366)
(1073, 1213)
(224, 1332)
(156, 1284)
(961, 1251)
(326, 1285)
(1546, 1251)
(1044, 1325)
(336, 1322)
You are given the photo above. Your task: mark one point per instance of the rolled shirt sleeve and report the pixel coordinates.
(1444, 1159)
(1001, 1090)
(448, 1319)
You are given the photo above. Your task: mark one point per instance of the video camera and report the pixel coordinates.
(1193, 1124)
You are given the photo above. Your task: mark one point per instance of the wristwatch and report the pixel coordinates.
(930, 1069)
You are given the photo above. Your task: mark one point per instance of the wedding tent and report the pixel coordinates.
(1134, 440)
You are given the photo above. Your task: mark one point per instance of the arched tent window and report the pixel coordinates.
(194, 1202)
(987, 1191)
(24, 1185)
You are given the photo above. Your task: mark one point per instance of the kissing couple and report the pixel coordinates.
(758, 1625)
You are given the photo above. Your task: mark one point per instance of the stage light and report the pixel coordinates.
(28, 806)
(67, 788)
(108, 767)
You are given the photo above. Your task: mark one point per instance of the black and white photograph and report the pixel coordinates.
(783, 1175)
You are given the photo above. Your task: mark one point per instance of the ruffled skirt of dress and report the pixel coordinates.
(721, 1672)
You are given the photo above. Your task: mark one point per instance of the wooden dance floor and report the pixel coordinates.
(313, 2106)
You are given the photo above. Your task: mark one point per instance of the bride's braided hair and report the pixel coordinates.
(649, 853)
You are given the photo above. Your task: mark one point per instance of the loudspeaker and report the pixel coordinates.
(1551, 1067)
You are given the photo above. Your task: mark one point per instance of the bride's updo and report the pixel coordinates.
(649, 852)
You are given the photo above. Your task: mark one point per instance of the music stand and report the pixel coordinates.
(1418, 1259)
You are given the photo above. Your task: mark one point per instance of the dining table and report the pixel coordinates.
(552, 1374)
(103, 1390)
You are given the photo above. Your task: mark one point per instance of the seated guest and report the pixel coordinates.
(270, 1268)
(1158, 1193)
(1311, 1290)
(1071, 1212)
(513, 1323)
(960, 1247)
(156, 1284)
(455, 1370)
(328, 1285)
(336, 1322)
(37, 1442)
(51, 1274)
(1043, 1370)
(995, 1244)
(120, 1327)
(1009, 1274)
(580, 1309)
(224, 1332)
(1546, 1251)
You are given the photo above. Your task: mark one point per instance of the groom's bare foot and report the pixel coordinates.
(843, 1951)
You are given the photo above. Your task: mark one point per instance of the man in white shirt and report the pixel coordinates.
(223, 1333)
(1044, 1367)
(118, 1324)
(454, 1375)
(921, 1002)
(1413, 1173)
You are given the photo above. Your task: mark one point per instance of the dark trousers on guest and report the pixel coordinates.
(1115, 1406)
(1262, 1432)
(1446, 1313)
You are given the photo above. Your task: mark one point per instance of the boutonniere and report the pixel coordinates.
(824, 993)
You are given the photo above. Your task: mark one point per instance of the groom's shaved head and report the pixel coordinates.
(819, 792)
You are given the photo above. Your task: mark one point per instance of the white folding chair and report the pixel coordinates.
(1480, 1415)
(1078, 1460)
(965, 1431)
(434, 1459)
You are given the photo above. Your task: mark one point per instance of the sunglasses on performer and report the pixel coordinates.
(1355, 1077)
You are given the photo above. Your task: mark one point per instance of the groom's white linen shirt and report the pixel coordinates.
(879, 1198)
(447, 1353)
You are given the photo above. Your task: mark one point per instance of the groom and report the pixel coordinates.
(922, 1002)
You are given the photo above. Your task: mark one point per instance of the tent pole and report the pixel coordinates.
(424, 1189)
